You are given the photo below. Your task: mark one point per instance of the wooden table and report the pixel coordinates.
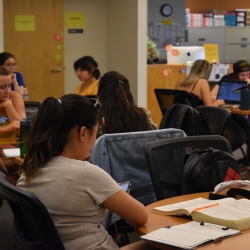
(156, 221)
(239, 111)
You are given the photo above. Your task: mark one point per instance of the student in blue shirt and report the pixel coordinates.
(8, 61)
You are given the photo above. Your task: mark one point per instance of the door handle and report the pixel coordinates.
(56, 70)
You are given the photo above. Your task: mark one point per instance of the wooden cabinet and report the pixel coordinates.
(158, 78)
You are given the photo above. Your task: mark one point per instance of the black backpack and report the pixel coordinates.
(205, 168)
(186, 118)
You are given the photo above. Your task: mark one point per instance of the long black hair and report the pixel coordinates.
(118, 110)
(88, 63)
(51, 126)
(4, 56)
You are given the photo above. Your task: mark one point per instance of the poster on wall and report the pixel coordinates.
(75, 22)
(25, 23)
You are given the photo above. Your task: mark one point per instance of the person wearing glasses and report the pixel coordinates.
(119, 114)
(80, 193)
(87, 71)
(8, 61)
(11, 107)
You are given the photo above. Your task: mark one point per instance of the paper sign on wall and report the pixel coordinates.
(211, 53)
(74, 20)
(25, 23)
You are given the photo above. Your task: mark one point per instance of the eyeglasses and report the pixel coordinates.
(96, 104)
(10, 65)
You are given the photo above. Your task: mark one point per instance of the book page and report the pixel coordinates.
(234, 210)
(12, 152)
(189, 235)
(189, 205)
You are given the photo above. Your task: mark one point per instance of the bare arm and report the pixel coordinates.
(17, 88)
(214, 92)
(14, 107)
(206, 95)
(131, 210)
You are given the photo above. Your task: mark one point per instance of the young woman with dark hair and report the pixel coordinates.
(8, 61)
(119, 113)
(88, 73)
(76, 193)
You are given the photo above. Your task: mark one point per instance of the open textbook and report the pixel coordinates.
(190, 235)
(227, 212)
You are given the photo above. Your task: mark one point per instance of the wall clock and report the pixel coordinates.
(166, 9)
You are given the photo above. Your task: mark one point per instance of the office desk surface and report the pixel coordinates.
(156, 221)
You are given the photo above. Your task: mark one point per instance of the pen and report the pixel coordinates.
(211, 205)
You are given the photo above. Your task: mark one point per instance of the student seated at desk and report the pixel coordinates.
(11, 106)
(88, 73)
(8, 61)
(241, 71)
(196, 83)
(119, 114)
(76, 193)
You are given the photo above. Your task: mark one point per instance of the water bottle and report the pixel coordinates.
(25, 94)
(25, 125)
(245, 98)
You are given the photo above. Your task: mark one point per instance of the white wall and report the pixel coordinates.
(126, 44)
(1, 26)
(92, 42)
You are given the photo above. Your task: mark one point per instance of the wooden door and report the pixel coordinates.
(40, 52)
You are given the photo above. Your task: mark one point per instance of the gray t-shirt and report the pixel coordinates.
(73, 191)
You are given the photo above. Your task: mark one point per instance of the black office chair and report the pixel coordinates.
(217, 118)
(33, 226)
(168, 97)
(31, 108)
(165, 160)
(91, 96)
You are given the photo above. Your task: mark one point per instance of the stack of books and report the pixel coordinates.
(248, 17)
(219, 20)
(196, 20)
(230, 18)
(240, 17)
(208, 19)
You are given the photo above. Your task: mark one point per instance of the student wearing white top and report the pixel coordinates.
(76, 193)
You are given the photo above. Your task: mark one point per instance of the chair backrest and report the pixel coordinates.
(186, 118)
(217, 118)
(165, 160)
(31, 108)
(33, 226)
(168, 97)
(91, 96)
(122, 156)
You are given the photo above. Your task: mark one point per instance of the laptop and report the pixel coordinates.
(226, 92)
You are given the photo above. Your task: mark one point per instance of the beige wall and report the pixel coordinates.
(126, 43)
(92, 42)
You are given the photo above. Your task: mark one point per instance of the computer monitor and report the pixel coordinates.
(184, 54)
